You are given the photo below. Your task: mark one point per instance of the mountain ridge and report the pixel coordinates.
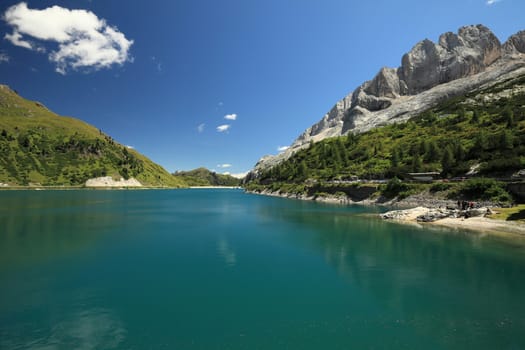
(204, 177)
(429, 74)
(39, 147)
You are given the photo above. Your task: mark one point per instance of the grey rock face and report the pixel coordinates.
(385, 84)
(453, 57)
(429, 73)
(515, 44)
(420, 68)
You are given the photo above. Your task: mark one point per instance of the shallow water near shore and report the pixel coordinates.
(220, 269)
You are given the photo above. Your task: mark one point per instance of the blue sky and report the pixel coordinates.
(162, 76)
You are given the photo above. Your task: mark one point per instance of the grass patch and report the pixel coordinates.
(516, 213)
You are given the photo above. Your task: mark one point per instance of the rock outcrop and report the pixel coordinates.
(429, 74)
(107, 181)
(515, 44)
(422, 214)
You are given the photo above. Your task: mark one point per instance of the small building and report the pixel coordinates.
(424, 177)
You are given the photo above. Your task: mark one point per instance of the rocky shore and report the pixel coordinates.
(325, 198)
(471, 219)
(423, 214)
(413, 201)
(422, 209)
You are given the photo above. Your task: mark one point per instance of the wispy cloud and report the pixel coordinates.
(225, 165)
(130, 147)
(16, 39)
(223, 128)
(230, 116)
(158, 64)
(492, 2)
(4, 58)
(200, 127)
(84, 40)
(282, 148)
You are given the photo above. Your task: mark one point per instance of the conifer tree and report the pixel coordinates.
(447, 161)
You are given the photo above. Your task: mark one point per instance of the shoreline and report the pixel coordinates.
(66, 188)
(419, 205)
(214, 187)
(483, 225)
(413, 207)
(74, 188)
(406, 203)
(455, 219)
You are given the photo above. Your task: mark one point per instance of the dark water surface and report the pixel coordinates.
(220, 269)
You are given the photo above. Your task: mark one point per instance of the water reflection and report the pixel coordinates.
(37, 226)
(452, 286)
(146, 269)
(226, 252)
(83, 330)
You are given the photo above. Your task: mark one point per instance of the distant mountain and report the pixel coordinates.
(39, 147)
(478, 134)
(430, 74)
(205, 177)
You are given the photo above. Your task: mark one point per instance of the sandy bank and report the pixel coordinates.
(476, 223)
(483, 224)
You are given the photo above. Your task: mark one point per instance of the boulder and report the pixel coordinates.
(435, 214)
(475, 212)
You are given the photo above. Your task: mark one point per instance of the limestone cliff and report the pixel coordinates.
(430, 73)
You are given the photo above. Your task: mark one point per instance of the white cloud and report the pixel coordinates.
(16, 39)
(282, 148)
(4, 58)
(84, 40)
(239, 175)
(223, 128)
(230, 116)
(492, 2)
(200, 127)
(225, 165)
(130, 147)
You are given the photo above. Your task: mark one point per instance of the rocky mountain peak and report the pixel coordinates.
(384, 84)
(429, 72)
(515, 44)
(454, 56)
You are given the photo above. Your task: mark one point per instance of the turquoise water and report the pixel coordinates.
(220, 269)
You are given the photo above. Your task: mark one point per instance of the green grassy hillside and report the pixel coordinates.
(484, 130)
(39, 147)
(205, 177)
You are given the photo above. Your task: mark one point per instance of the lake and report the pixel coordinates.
(221, 269)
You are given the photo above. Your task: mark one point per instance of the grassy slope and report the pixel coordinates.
(205, 177)
(39, 147)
